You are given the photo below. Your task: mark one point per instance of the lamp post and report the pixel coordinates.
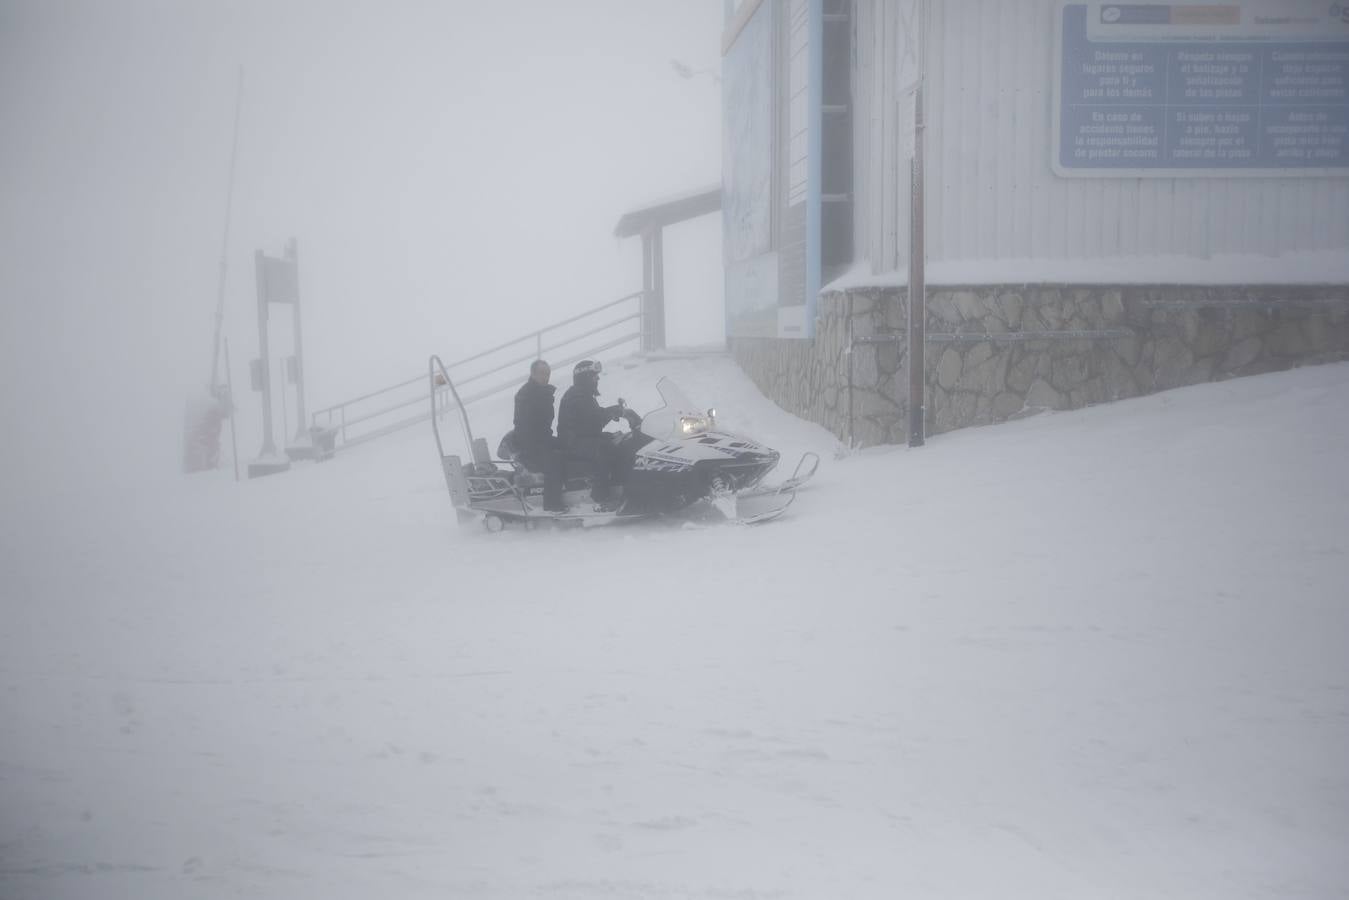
(688, 73)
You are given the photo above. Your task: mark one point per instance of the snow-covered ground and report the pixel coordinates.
(1091, 654)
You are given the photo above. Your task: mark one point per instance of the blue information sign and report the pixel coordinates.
(1187, 89)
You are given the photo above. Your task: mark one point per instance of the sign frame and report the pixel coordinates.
(1056, 136)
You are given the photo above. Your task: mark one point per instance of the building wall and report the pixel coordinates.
(990, 191)
(1016, 352)
(1002, 350)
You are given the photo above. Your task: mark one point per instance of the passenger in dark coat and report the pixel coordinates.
(580, 428)
(539, 450)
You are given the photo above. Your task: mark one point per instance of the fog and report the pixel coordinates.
(452, 173)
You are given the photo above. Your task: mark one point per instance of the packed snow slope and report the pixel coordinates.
(1089, 654)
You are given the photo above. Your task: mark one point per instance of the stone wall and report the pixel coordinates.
(1114, 342)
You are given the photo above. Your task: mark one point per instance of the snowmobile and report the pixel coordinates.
(681, 463)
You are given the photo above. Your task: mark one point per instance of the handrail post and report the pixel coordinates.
(641, 321)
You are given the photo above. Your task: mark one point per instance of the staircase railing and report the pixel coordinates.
(562, 343)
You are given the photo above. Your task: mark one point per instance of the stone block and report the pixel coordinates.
(1042, 395)
(896, 309)
(863, 326)
(1031, 320)
(865, 372)
(968, 305)
(1320, 334)
(963, 408)
(887, 358)
(941, 307)
(1267, 364)
(978, 354)
(1201, 371)
(1022, 373)
(877, 402)
(987, 378)
(1251, 323)
(1214, 334)
(1172, 360)
(1187, 323)
(1119, 377)
(1068, 372)
(1129, 348)
(1241, 355)
(1112, 307)
(948, 368)
(1010, 308)
(1006, 405)
(936, 396)
(1089, 311)
(1053, 316)
(1091, 392)
(1287, 339)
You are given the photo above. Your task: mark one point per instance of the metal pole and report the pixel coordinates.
(225, 241)
(301, 436)
(268, 446)
(648, 291)
(234, 437)
(917, 285)
(658, 278)
(282, 368)
(852, 441)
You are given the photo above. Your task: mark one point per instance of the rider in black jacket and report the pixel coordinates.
(580, 428)
(534, 440)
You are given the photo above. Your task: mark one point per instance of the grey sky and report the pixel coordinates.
(452, 171)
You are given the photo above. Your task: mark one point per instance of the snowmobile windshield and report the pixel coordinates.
(678, 418)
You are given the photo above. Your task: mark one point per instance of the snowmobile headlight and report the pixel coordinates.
(691, 425)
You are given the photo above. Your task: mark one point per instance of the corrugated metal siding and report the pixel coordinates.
(797, 100)
(990, 191)
(884, 67)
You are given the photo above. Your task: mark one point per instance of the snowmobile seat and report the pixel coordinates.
(523, 475)
(506, 449)
(576, 472)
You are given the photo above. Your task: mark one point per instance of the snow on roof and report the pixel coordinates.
(1310, 267)
(669, 210)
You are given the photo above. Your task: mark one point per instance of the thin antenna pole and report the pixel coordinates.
(917, 251)
(225, 241)
(234, 439)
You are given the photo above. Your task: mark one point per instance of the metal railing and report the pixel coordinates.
(404, 404)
